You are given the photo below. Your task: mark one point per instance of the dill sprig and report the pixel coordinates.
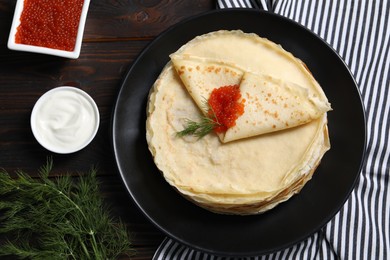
(58, 218)
(198, 129)
(205, 125)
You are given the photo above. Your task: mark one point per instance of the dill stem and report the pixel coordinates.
(70, 250)
(84, 247)
(94, 245)
(91, 232)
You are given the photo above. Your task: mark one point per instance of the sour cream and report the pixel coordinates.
(65, 120)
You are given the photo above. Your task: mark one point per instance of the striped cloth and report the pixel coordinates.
(359, 30)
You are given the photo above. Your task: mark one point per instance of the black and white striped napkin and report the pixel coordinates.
(359, 30)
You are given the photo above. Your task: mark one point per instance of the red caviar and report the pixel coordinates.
(50, 23)
(226, 106)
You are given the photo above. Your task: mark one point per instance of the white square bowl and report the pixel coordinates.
(44, 50)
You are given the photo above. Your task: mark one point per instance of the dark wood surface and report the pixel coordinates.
(115, 33)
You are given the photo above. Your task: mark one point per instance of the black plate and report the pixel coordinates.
(288, 223)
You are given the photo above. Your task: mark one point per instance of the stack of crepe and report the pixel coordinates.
(275, 145)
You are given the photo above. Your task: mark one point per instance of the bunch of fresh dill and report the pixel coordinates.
(58, 219)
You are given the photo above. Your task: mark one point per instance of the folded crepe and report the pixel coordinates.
(201, 75)
(271, 104)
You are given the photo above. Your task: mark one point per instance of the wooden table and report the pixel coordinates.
(115, 33)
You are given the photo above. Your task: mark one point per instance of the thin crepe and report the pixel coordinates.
(273, 105)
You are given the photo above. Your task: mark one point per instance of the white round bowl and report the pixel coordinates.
(65, 120)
